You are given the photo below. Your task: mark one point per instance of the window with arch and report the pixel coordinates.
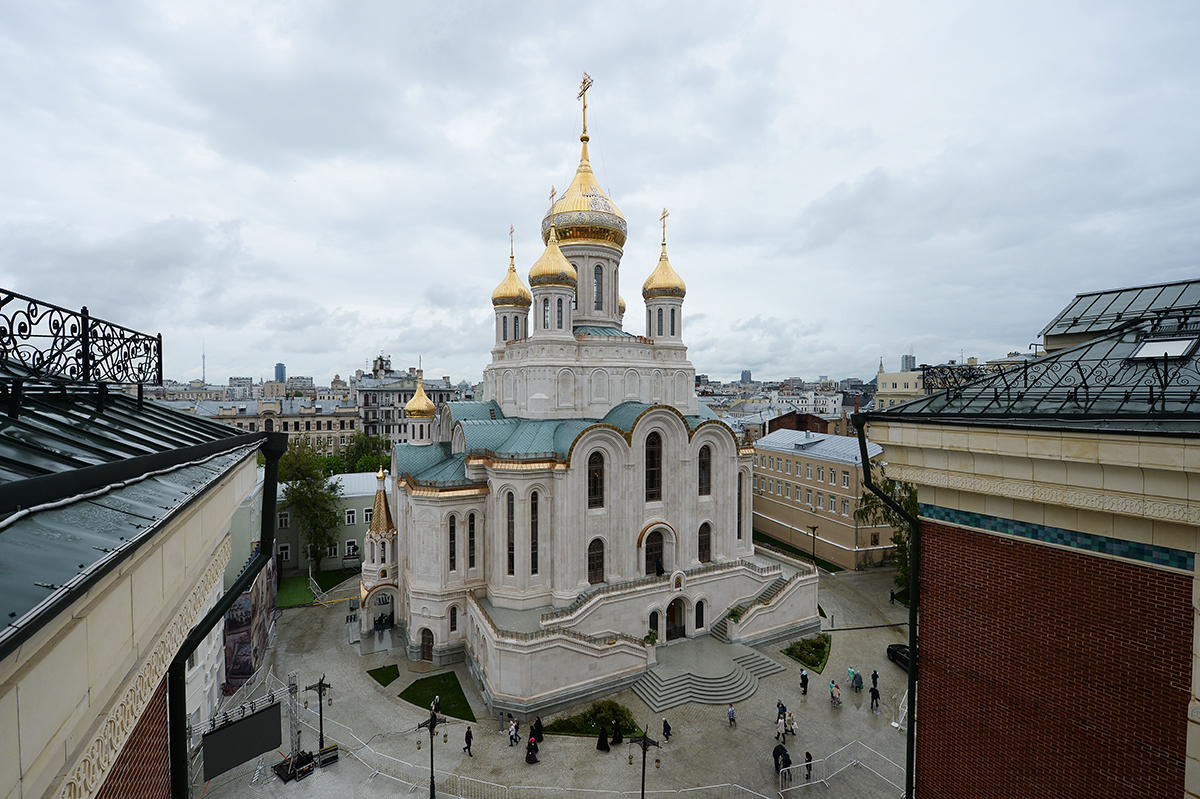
(382, 551)
(649, 328)
(453, 618)
(471, 541)
(598, 287)
(533, 533)
(654, 552)
(516, 327)
(739, 506)
(596, 480)
(269, 426)
(660, 327)
(371, 550)
(705, 468)
(672, 321)
(504, 328)
(545, 313)
(653, 467)
(453, 544)
(704, 543)
(700, 614)
(654, 620)
(560, 313)
(595, 562)
(512, 533)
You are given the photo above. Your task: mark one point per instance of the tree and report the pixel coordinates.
(313, 499)
(364, 453)
(873, 511)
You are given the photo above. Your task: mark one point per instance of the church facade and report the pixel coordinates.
(588, 508)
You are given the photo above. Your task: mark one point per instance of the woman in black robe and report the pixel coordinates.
(531, 751)
(616, 736)
(537, 729)
(602, 742)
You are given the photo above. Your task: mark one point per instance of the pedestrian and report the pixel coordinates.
(777, 753)
(616, 736)
(512, 731)
(791, 723)
(832, 685)
(893, 598)
(874, 697)
(850, 675)
(875, 678)
(666, 730)
(732, 717)
(785, 763)
(537, 728)
(531, 751)
(837, 695)
(437, 704)
(807, 766)
(804, 682)
(781, 709)
(602, 741)
(780, 728)
(469, 736)
(858, 682)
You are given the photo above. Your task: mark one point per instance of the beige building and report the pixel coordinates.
(328, 424)
(897, 388)
(804, 479)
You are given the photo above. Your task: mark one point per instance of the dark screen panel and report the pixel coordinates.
(242, 740)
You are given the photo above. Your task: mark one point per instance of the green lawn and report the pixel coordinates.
(813, 652)
(795, 552)
(454, 701)
(294, 590)
(385, 675)
(587, 724)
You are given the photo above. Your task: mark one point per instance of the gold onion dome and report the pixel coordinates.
(584, 213)
(420, 406)
(553, 268)
(664, 281)
(511, 290)
(621, 303)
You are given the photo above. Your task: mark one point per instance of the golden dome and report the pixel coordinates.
(420, 406)
(553, 268)
(621, 303)
(511, 290)
(584, 212)
(664, 281)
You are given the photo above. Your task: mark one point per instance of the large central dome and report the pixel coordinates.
(584, 213)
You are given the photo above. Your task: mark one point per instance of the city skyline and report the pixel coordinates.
(845, 183)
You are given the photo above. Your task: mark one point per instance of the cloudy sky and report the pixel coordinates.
(318, 183)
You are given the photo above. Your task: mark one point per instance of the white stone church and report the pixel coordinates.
(544, 533)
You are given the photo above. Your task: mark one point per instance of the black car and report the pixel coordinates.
(898, 654)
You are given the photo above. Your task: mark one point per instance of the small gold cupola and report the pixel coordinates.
(420, 406)
(553, 268)
(511, 290)
(664, 281)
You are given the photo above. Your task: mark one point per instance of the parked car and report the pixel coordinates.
(898, 654)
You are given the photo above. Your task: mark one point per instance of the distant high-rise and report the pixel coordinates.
(280, 373)
(745, 375)
(908, 363)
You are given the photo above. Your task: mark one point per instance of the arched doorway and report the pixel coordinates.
(595, 562)
(427, 644)
(676, 625)
(654, 553)
(654, 620)
(700, 615)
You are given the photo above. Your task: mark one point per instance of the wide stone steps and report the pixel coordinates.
(720, 630)
(739, 682)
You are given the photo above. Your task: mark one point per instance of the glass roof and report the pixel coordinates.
(1099, 311)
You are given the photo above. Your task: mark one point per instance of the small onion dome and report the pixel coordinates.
(663, 281)
(553, 268)
(420, 406)
(584, 213)
(621, 303)
(511, 290)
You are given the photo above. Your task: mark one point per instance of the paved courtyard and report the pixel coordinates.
(703, 749)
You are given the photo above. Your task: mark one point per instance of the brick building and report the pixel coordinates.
(1057, 589)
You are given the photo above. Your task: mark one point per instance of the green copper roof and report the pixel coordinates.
(465, 410)
(597, 330)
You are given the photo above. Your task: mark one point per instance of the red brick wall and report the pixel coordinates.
(1048, 673)
(143, 769)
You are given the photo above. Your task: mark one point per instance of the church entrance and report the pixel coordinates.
(427, 644)
(675, 621)
(654, 553)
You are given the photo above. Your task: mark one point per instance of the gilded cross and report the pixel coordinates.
(664, 224)
(510, 242)
(584, 85)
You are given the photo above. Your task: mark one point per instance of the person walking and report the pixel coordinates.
(666, 730)
(732, 717)
(602, 741)
(780, 728)
(893, 597)
(874, 697)
(537, 729)
(437, 704)
(785, 763)
(776, 754)
(836, 696)
(791, 723)
(469, 736)
(850, 675)
(858, 681)
(804, 682)
(531, 751)
(874, 678)
(807, 766)
(616, 736)
(781, 708)
(512, 731)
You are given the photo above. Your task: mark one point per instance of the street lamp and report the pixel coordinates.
(644, 742)
(813, 527)
(431, 723)
(320, 687)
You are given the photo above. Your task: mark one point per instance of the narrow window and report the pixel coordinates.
(672, 321)
(453, 618)
(545, 313)
(649, 329)
(704, 544)
(383, 551)
(516, 327)
(595, 562)
(512, 534)
(705, 466)
(371, 550)
(654, 552)
(350, 514)
(598, 287)
(739, 507)
(700, 615)
(453, 544)
(654, 620)
(504, 325)
(845, 507)
(560, 313)
(653, 468)
(596, 480)
(533, 533)
(471, 541)
(660, 328)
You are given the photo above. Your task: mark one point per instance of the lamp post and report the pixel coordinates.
(813, 527)
(644, 742)
(320, 687)
(431, 723)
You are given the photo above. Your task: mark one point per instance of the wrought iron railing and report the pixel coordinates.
(58, 343)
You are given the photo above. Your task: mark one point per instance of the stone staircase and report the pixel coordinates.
(720, 630)
(706, 672)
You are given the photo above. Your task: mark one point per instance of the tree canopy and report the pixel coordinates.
(312, 497)
(874, 511)
(364, 453)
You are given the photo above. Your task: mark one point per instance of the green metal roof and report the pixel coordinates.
(467, 410)
(599, 330)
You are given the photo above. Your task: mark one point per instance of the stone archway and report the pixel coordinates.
(676, 619)
(426, 644)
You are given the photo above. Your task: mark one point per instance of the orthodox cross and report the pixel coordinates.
(664, 223)
(584, 85)
(510, 242)
(553, 194)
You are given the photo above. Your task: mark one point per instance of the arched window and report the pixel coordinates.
(453, 618)
(700, 614)
(596, 480)
(654, 620)
(672, 321)
(654, 552)
(739, 507)
(453, 544)
(649, 329)
(704, 544)
(533, 533)
(269, 426)
(560, 313)
(516, 327)
(595, 562)
(504, 328)
(660, 321)
(705, 467)
(545, 313)
(371, 550)
(653, 467)
(471, 541)
(598, 281)
(382, 551)
(512, 533)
